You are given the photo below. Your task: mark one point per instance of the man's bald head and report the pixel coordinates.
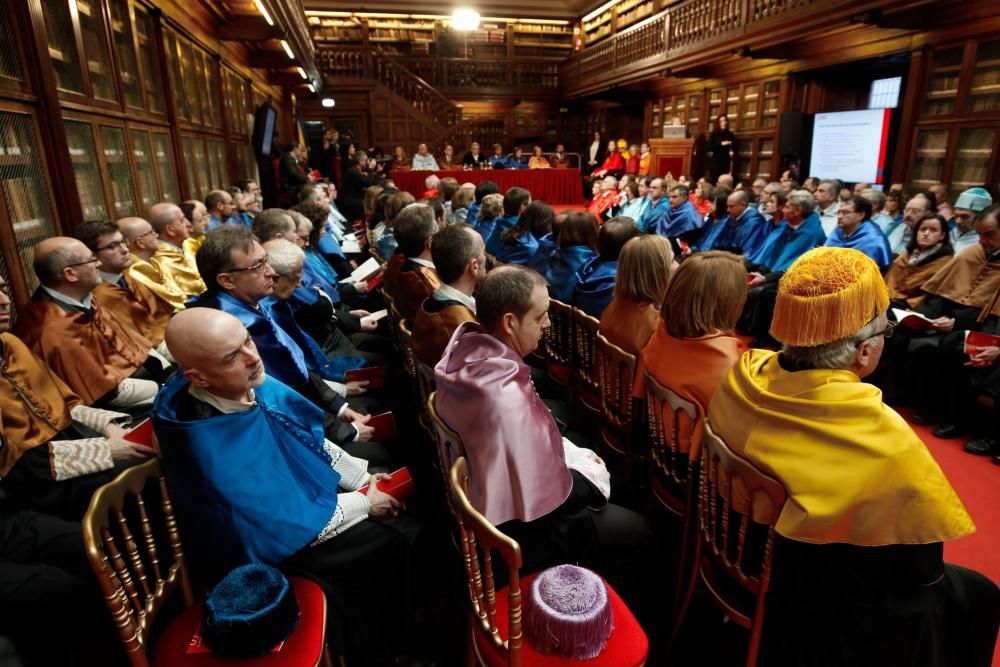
(139, 235)
(215, 351)
(55, 254)
(163, 214)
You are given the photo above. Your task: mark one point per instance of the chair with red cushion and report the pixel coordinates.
(126, 523)
(496, 634)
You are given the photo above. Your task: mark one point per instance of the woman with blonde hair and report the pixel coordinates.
(465, 195)
(693, 346)
(644, 268)
(371, 196)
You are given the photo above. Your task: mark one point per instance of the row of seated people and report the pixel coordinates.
(423, 160)
(476, 328)
(123, 306)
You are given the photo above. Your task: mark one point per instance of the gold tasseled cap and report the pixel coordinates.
(827, 294)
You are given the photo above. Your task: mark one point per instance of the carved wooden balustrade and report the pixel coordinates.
(693, 32)
(463, 133)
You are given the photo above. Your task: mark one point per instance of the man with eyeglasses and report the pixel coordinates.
(104, 360)
(177, 266)
(235, 265)
(142, 242)
(827, 198)
(855, 229)
(119, 292)
(868, 508)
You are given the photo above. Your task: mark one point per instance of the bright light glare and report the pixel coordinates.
(465, 19)
(327, 102)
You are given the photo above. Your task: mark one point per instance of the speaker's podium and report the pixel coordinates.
(671, 154)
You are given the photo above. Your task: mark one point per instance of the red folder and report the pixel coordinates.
(400, 487)
(977, 341)
(375, 375)
(141, 434)
(384, 425)
(375, 280)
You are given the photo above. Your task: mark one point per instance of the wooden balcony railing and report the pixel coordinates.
(693, 32)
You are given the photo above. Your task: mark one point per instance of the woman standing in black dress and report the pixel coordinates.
(721, 147)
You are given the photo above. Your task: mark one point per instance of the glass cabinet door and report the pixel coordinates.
(96, 51)
(984, 89)
(942, 83)
(116, 158)
(147, 56)
(121, 29)
(142, 156)
(86, 170)
(165, 167)
(62, 46)
(972, 157)
(928, 162)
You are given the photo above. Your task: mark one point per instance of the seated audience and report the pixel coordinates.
(916, 208)
(129, 299)
(142, 243)
(941, 205)
(656, 206)
(742, 231)
(255, 480)
(459, 256)
(498, 160)
(358, 176)
(293, 168)
(613, 164)
(771, 208)
(482, 189)
(929, 250)
(399, 160)
(856, 230)
(102, 359)
(827, 198)
(174, 264)
(877, 198)
(632, 206)
(702, 196)
(577, 245)
(514, 203)
(632, 162)
(526, 479)
(56, 450)
(967, 206)
(693, 347)
(423, 161)
(522, 241)
(644, 269)
(595, 281)
(537, 160)
(448, 162)
(220, 207)
(460, 203)
(417, 278)
(446, 191)
(892, 209)
(545, 228)
(486, 217)
(868, 508)
(517, 160)
(605, 196)
(680, 218)
(235, 265)
(645, 159)
(197, 215)
(394, 203)
(559, 159)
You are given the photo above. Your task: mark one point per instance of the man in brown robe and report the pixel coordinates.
(142, 243)
(173, 229)
(417, 279)
(459, 255)
(119, 292)
(102, 359)
(54, 450)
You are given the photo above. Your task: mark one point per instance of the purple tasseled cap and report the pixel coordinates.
(567, 612)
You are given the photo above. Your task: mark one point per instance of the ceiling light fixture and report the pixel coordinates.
(302, 73)
(263, 10)
(601, 9)
(465, 19)
(327, 102)
(372, 15)
(287, 49)
(312, 88)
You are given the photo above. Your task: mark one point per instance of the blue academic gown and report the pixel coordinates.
(745, 235)
(595, 286)
(647, 220)
(674, 222)
(561, 272)
(264, 495)
(784, 244)
(502, 224)
(540, 260)
(520, 251)
(316, 360)
(318, 269)
(473, 214)
(498, 162)
(867, 238)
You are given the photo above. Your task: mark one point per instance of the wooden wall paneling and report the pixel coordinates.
(164, 65)
(910, 100)
(29, 16)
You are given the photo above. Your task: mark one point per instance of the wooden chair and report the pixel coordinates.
(496, 635)
(406, 348)
(738, 507)
(425, 388)
(126, 524)
(394, 319)
(557, 345)
(615, 377)
(587, 390)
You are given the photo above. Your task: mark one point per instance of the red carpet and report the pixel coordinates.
(975, 479)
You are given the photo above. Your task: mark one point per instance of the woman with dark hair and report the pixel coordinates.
(928, 250)
(721, 148)
(520, 242)
(716, 212)
(357, 179)
(577, 245)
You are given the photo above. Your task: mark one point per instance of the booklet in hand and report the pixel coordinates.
(375, 375)
(375, 280)
(977, 341)
(364, 272)
(400, 487)
(141, 434)
(911, 320)
(384, 425)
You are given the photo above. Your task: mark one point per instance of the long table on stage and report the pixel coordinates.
(552, 186)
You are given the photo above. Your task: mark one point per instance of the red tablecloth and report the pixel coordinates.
(552, 186)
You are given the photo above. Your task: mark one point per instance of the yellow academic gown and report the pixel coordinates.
(150, 276)
(854, 470)
(178, 266)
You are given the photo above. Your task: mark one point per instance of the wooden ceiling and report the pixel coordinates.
(537, 9)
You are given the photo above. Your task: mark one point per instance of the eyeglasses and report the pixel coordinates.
(257, 268)
(114, 245)
(92, 260)
(885, 333)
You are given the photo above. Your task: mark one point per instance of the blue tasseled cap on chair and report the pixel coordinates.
(249, 612)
